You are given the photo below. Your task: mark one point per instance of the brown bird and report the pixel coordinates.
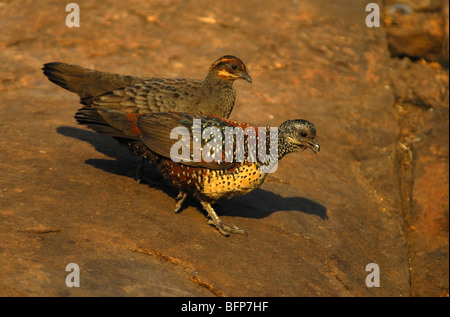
(214, 95)
(205, 178)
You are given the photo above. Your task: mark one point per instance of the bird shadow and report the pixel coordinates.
(261, 203)
(122, 162)
(258, 204)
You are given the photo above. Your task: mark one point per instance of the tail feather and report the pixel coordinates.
(122, 126)
(87, 83)
(110, 122)
(92, 119)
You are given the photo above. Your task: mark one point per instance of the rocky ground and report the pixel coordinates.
(376, 193)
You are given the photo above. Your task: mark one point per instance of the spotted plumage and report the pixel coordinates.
(206, 181)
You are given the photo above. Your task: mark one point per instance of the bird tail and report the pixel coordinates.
(110, 122)
(87, 83)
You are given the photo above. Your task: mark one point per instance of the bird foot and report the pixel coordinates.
(226, 229)
(181, 198)
(216, 222)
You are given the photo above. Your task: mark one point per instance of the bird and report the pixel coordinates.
(217, 174)
(213, 95)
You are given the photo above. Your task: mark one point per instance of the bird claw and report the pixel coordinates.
(226, 229)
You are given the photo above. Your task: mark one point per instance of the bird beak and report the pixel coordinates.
(314, 146)
(246, 76)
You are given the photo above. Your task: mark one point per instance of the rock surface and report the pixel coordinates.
(376, 193)
(417, 29)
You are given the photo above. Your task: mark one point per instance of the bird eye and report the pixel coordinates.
(303, 134)
(233, 66)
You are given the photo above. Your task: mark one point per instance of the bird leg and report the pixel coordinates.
(218, 223)
(139, 173)
(181, 198)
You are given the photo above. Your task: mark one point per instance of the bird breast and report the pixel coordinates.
(228, 183)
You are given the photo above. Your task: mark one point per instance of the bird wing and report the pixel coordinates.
(169, 132)
(165, 134)
(154, 95)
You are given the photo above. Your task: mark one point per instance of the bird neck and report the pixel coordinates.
(275, 149)
(277, 143)
(283, 148)
(213, 80)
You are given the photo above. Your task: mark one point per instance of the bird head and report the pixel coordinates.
(297, 135)
(229, 67)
